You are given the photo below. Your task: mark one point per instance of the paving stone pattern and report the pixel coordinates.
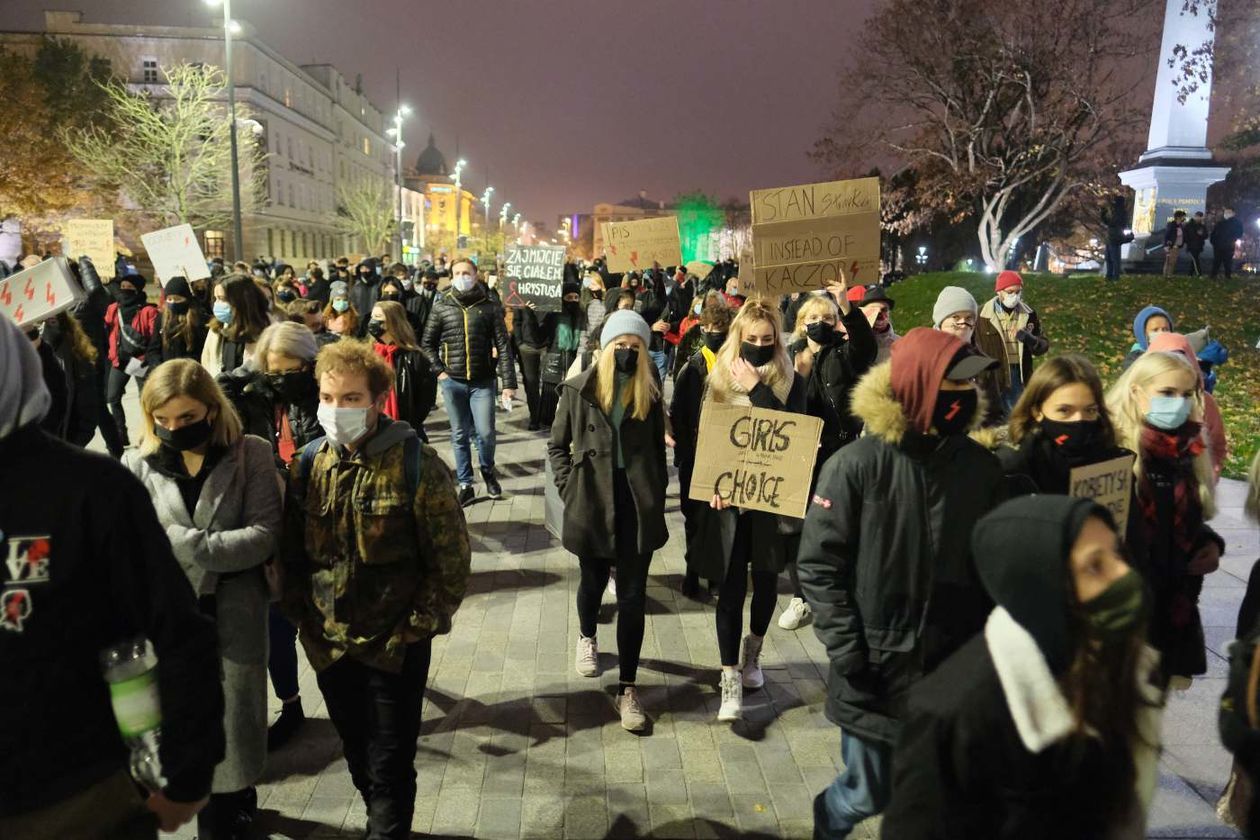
(516, 744)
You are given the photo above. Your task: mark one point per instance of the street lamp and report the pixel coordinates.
(485, 202)
(503, 214)
(230, 28)
(459, 196)
(396, 133)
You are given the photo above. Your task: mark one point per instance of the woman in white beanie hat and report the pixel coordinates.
(607, 450)
(955, 312)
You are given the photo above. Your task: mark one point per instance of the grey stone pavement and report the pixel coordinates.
(516, 744)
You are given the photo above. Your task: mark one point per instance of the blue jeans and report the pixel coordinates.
(1012, 395)
(661, 359)
(470, 405)
(858, 793)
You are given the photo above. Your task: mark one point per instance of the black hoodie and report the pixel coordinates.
(365, 291)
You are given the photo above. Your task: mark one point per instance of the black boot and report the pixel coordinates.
(228, 816)
(691, 585)
(493, 490)
(286, 726)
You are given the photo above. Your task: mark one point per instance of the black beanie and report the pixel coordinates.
(135, 278)
(177, 286)
(570, 289)
(1021, 551)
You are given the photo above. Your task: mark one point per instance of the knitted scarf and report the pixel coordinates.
(1168, 464)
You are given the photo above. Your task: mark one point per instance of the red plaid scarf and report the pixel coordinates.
(1173, 454)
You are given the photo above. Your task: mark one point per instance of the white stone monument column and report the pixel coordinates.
(1177, 168)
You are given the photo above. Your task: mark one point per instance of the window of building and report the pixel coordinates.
(279, 192)
(150, 74)
(214, 246)
(290, 195)
(303, 251)
(288, 98)
(289, 148)
(367, 146)
(271, 242)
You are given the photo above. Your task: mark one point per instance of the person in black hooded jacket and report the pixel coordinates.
(885, 559)
(365, 291)
(1046, 725)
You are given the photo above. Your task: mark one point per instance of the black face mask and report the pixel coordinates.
(954, 411)
(1072, 438)
(33, 334)
(177, 308)
(572, 307)
(626, 359)
(754, 355)
(820, 332)
(430, 288)
(714, 340)
(115, 291)
(292, 386)
(185, 437)
(130, 297)
(376, 328)
(391, 296)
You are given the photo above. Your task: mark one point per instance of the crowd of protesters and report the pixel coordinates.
(999, 652)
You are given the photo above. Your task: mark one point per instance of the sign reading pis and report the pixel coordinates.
(93, 238)
(634, 246)
(755, 458)
(811, 236)
(1109, 483)
(534, 274)
(39, 292)
(175, 252)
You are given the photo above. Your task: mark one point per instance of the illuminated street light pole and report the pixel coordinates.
(231, 27)
(503, 214)
(396, 133)
(459, 197)
(485, 202)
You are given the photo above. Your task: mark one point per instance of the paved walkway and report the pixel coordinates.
(516, 744)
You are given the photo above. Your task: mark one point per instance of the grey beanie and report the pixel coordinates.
(338, 288)
(952, 299)
(624, 322)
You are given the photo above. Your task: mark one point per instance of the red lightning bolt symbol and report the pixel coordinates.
(30, 289)
(7, 295)
(50, 295)
(954, 408)
(17, 314)
(634, 257)
(1060, 440)
(853, 269)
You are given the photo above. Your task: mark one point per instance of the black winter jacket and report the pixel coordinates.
(1035, 466)
(90, 312)
(365, 291)
(836, 370)
(415, 384)
(885, 558)
(583, 460)
(462, 334)
(106, 575)
(177, 347)
(251, 395)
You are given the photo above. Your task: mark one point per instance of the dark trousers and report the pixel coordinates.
(1196, 268)
(282, 660)
(115, 385)
(547, 402)
(729, 614)
(530, 359)
(632, 576)
(793, 542)
(104, 420)
(1113, 261)
(1223, 259)
(377, 715)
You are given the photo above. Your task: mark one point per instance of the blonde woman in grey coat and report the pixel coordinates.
(216, 494)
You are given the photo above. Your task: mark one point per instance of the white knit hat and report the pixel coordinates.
(952, 299)
(624, 322)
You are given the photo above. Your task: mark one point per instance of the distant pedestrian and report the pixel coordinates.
(1010, 331)
(1116, 219)
(1174, 241)
(1195, 234)
(607, 449)
(340, 316)
(241, 313)
(957, 313)
(878, 306)
(1226, 234)
(131, 324)
(1149, 322)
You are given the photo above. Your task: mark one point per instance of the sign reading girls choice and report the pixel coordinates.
(755, 458)
(1108, 483)
(811, 236)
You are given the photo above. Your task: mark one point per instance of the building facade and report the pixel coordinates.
(445, 206)
(319, 132)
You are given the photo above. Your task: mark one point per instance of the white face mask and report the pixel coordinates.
(462, 282)
(1010, 300)
(342, 425)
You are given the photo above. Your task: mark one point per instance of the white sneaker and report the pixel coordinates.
(587, 662)
(750, 673)
(797, 613)
(633, 718)
(732, 707)
(612, 583)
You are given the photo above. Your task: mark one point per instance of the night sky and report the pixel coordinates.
(565, 103)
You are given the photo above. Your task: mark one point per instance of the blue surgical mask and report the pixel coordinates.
(463, 283)
(223, 311)
(697, 308)
(1168, 413)
(340, 304)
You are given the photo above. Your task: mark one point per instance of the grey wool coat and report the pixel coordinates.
(234, 528)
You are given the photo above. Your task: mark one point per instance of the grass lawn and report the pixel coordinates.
(1086, 314)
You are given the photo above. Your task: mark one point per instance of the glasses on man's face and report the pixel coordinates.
(961, 323)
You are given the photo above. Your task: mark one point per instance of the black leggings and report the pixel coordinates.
(114, 388)
(530, 359)
(793, 543)
(729, 614)
(631, 598)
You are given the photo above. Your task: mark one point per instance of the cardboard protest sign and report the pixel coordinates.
(1108, 483)
(534, 274)
(175, 252)
(810, 236)
(39, 292)
(93, 238)
(756, 458)
(634, 246)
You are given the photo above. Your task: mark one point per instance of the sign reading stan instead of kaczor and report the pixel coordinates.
(755, 458)
(811, 236)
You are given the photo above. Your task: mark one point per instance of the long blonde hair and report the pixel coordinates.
(815, 305)
(721, 386)
(1253, 489)
(643, 391)
(1126, 415)
(186, 378)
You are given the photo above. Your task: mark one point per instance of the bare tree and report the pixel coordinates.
(1004, 110)
(167, 153)
(366, 210)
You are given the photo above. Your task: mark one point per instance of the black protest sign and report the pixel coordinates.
(534, 274)
(756, 458)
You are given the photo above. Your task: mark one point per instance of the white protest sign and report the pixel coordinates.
(175, 252)
(1108, 483)
(634, 246)
(93, 238)
(39, 292)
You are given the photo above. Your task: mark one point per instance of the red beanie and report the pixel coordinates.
(1007, 279)
(855, 295)
(919, 361)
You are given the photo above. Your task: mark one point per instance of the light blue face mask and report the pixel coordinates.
(698, 308)
(340, 304)
(1168, 413)
(222, 311)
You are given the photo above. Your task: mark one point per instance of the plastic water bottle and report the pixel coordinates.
(130, 668)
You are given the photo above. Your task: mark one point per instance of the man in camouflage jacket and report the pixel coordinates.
(376, 560)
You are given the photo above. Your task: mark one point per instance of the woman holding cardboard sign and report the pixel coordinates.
(752, 368)
(607, 449)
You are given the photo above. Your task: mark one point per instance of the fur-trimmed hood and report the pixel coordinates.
(873, 402)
